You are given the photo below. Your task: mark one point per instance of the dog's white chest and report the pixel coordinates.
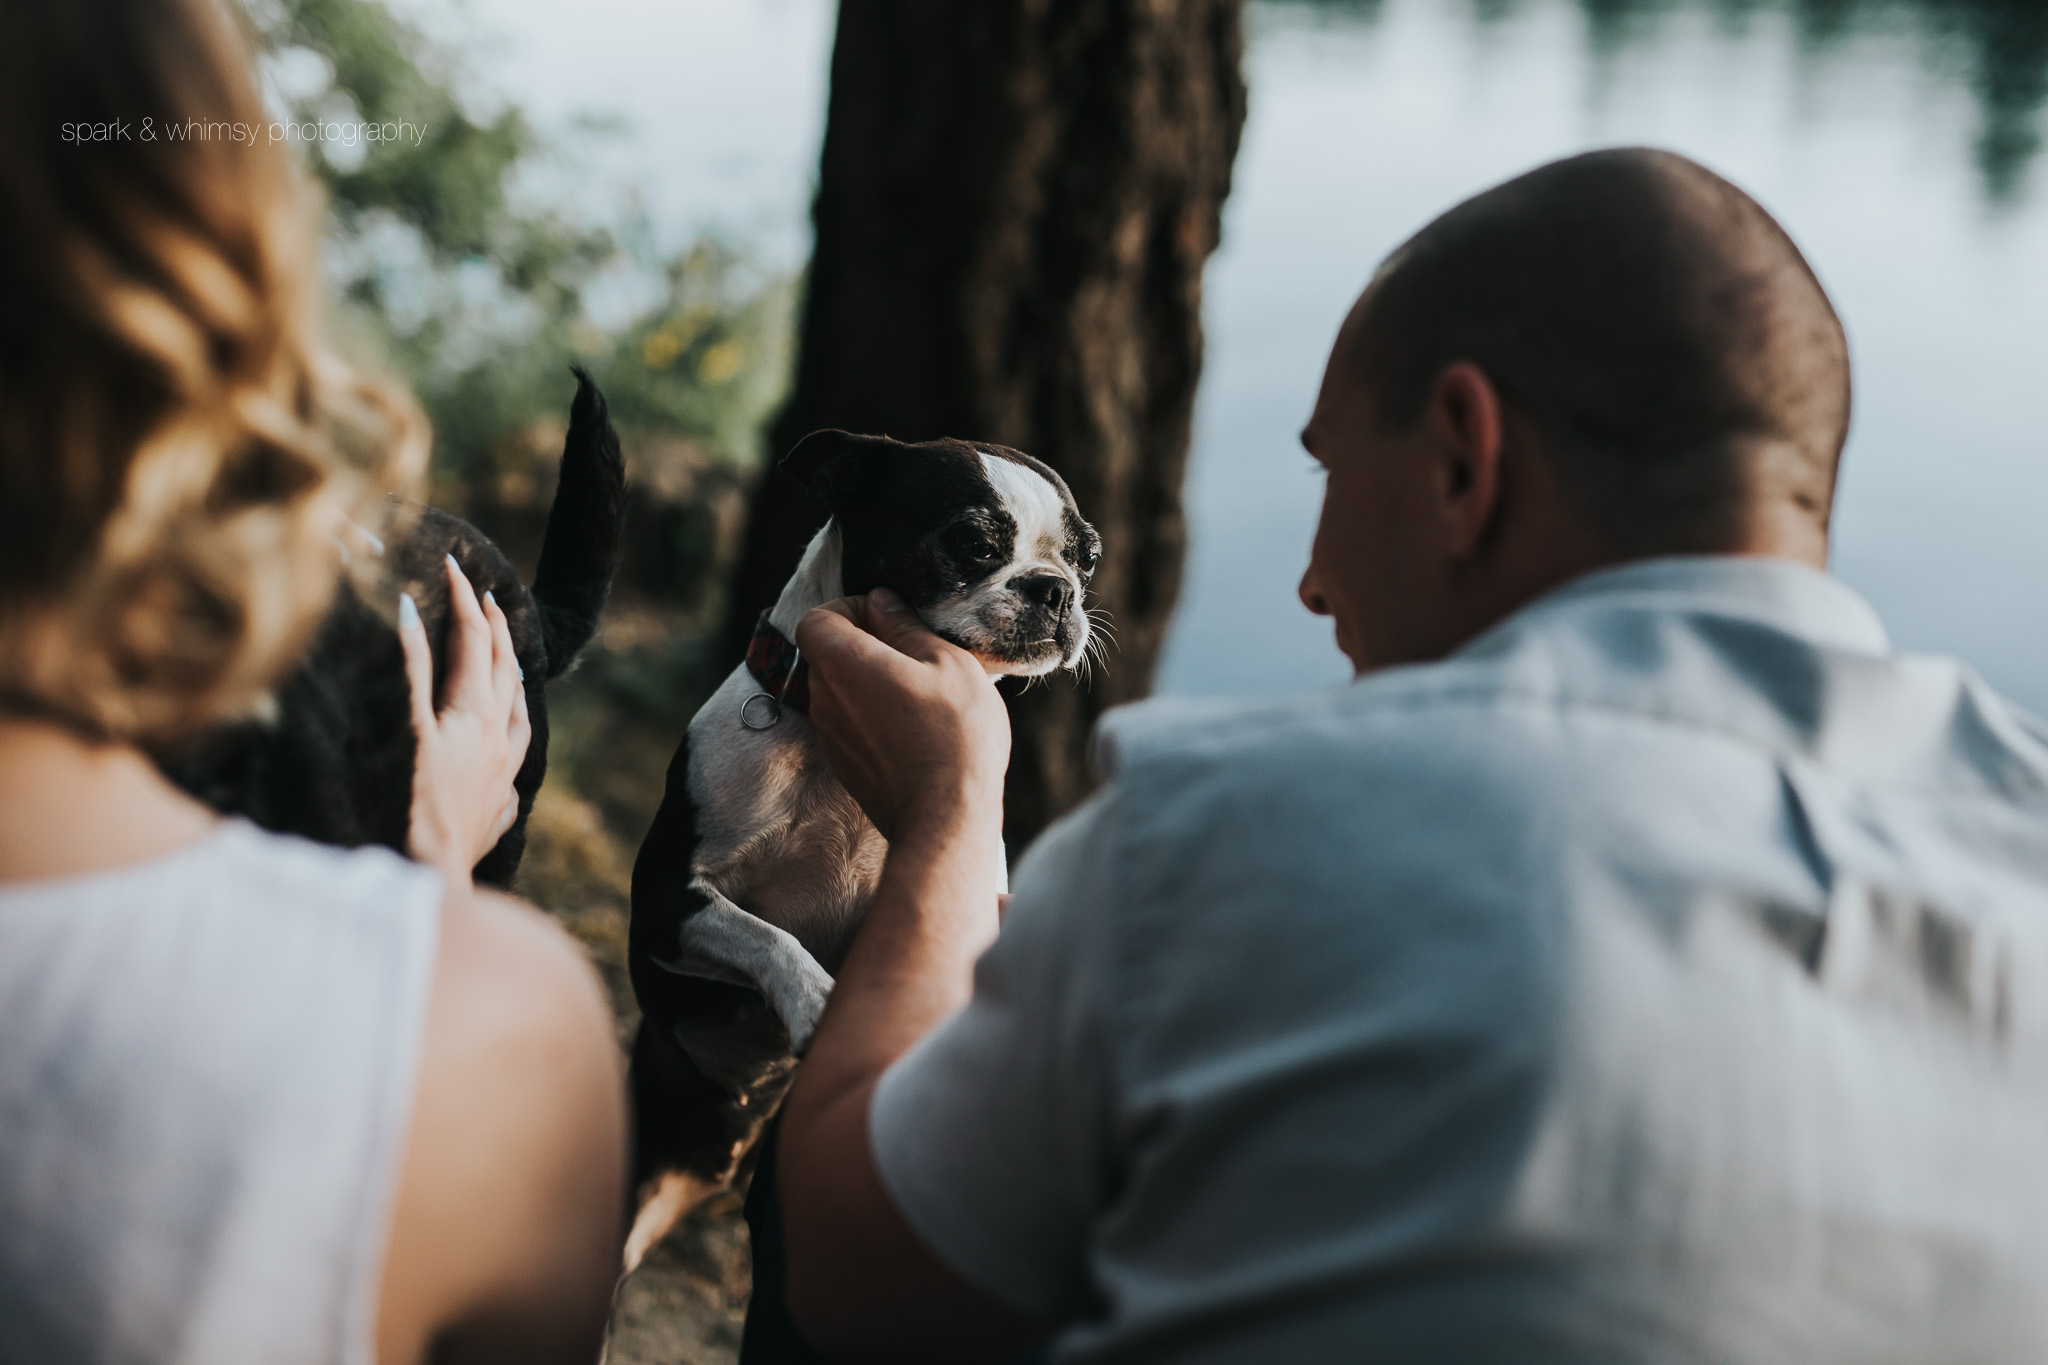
(776, 832)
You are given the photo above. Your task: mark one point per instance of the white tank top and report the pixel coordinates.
(207, 1065)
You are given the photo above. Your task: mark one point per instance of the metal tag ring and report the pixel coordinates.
(748, 712)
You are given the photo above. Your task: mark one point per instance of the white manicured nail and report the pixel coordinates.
(408, 612)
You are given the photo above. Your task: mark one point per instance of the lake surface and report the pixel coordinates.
(1871, 142)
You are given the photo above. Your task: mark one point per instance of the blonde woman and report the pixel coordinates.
(260, 1101)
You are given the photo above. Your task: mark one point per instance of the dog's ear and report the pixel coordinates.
(836, 467)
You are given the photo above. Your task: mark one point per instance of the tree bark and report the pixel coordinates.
(1015, 203)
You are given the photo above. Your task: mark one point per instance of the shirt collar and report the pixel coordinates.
(1777, 592)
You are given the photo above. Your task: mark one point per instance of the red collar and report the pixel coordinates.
(778, 666)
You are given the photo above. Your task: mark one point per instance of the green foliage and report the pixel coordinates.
(479, 298)
(710, 359)
(451, 185)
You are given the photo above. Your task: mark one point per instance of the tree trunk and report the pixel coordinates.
(1014, 207)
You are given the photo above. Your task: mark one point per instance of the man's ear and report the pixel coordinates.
(835, 467)
(1469, 430)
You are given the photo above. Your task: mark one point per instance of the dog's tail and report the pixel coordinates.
(580, 552)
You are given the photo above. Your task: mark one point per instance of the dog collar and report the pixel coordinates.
(778, 666)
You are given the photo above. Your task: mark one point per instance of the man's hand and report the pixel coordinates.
(912, 725)
(914, 728)
(471, 745)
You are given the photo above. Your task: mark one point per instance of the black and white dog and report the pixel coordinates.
(753, 879)
(333, 761)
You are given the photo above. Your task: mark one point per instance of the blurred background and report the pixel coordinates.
(1013, 240)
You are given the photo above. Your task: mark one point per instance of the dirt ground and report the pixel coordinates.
(686, 1302)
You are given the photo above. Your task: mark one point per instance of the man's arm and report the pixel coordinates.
(919, 736)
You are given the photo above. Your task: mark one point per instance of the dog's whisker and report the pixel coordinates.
(1092, 656)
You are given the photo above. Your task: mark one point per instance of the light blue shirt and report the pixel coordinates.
(1664, 977)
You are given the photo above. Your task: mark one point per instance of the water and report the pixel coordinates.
(1895, 151)
(1361, 131)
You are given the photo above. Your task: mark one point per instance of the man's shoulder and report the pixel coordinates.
(1387, 720)
(1399, 777)
(1387, 857)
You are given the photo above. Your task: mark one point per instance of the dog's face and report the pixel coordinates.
(983, 541)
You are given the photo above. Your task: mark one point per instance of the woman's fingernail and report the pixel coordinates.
(453, 565)
(520, 671)
(489, 598)
(408, 611)
(887, 600)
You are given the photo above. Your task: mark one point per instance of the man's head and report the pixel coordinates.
(1613, 357)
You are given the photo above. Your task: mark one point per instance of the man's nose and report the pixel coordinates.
(1047, 590)
(1311, 597)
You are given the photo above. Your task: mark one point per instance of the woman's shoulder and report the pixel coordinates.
(290, 874)
(513, 1179)
(510, 978)
(233, 889)
(234, 928)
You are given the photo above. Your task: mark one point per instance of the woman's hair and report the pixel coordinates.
(178, 453)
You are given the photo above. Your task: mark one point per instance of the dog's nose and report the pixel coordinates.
(1047, 590)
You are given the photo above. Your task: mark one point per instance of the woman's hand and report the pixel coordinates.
(471, 745)
(912, 725)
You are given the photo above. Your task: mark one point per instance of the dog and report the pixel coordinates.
(332, 759)
(753, 879)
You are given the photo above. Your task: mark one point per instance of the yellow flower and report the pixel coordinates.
(721, 362)
(661, 348)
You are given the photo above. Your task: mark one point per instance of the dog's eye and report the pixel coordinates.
(971, 543)
(1089, 559)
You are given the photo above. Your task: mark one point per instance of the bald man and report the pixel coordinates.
(1638, 962)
